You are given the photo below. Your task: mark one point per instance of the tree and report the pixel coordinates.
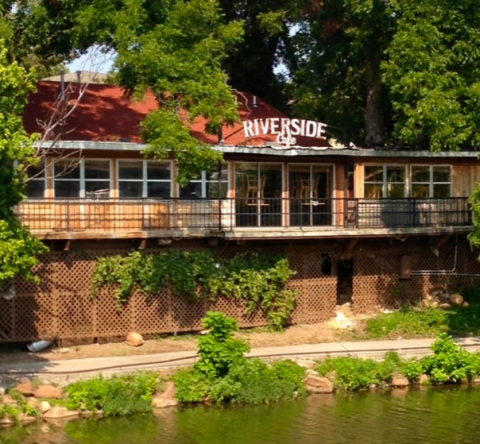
(340, 47)
(18, 248)
(433, 71)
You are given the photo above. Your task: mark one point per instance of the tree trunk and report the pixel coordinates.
(373, 114)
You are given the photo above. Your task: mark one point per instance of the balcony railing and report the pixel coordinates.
(130, 215)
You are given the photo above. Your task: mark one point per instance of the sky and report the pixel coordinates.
(93, 60)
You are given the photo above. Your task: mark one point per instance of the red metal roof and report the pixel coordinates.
(105, 113)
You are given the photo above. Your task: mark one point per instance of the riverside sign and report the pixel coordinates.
(285, 129)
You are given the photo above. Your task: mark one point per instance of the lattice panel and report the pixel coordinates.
(153, 314)
(61, 306)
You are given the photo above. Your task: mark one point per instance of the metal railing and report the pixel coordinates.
(110, 215)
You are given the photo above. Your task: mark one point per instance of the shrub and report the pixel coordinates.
(192, 385)
(352, 373)
(218, 350)
(120, 395)
(412, 369)
(450, 362)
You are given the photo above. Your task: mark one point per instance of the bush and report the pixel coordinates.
(450, 362)
(412, 369)
(222, 373)
(120, 395)
(351, 373)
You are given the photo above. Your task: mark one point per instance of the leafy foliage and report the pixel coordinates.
(354, 374)
(120, 395)
(258, 280)
(218, 351)
(223, 374)
(18, 248)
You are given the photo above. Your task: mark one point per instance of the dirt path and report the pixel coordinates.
(298, 334)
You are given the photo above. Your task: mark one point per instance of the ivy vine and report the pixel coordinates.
(259, 280)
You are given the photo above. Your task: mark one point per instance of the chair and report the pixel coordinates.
(254, 189)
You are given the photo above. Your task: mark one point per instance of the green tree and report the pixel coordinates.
(433, 71)
(18, 248)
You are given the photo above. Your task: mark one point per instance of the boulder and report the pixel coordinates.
(6, 422)
(32, 402)
(48, 391)
(58, 412)
(44, 406)
(399, 381)
(134, 339)
(25, 419)
(424, 379)
(318, 384)
(465, 304)
(167, 398)
(445, 306)
(25, 389)
(7, 399)
(456, 299)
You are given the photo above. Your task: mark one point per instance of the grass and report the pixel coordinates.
(410, 322)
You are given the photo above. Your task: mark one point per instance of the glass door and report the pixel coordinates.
(258, 194)
(310, 190)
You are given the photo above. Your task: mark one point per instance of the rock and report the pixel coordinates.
(32, 402)
(445, 306)
(465, 304)
(7, 399)
(44, 406)
(311, 372)
(306, 363)
(6, 422)
(48, 391)
(2, 391)
(167, 398)
(318, 384)
(57, 412)
(372, 386)
(399, 381)
(475, 380)
(25, 419)
(424, 380)
(456, 299)
(134, 339)
(25, 389)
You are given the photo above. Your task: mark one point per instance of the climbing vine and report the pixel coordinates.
(258, 280)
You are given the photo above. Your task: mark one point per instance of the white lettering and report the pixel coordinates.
(265, 125)
(321, 131)
(247, 128)
(295, 124)
(275, 125)
(285, 129)
(311, 128)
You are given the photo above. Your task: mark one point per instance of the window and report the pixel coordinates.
(385, 181)
(142, 178)
(207, 185)
(81, 178)
(431, 181)
(36, 181)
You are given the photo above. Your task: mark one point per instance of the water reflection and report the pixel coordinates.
(444, 416)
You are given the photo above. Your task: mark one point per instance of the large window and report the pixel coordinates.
(207, 185)
(385, 181)
(36, 183)
(81, 178)
(431, 181)
(144, 178)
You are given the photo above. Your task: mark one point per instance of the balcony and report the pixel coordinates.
(241, 218)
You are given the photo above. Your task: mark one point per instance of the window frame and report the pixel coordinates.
(204, 182)
(42, 177)
(82, 193)
(385, 182)
(144, 180)
(431, 182)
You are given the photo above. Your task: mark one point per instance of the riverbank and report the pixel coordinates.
(222, 374)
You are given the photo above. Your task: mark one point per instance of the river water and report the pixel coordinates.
(448, 415)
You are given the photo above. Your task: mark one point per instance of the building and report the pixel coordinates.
(376, 228)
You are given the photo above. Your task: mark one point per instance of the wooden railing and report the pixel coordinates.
(121, 215)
